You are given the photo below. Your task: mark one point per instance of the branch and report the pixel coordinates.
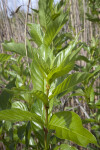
(26, 25)
(86, 114)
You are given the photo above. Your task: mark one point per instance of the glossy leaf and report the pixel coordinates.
(39, 134)
(65, 147)
(69, 82)
(46, 53)
(73, 55)
(41, 60)
(60, 40)
(16, 115)
(19, 105)
(4, 57)
(36, 33)
(62, 56)
(68, 125)
(54, 27)
(40, 95)
(14, 75)
(96, 71)
(44, 13)
(39, 82)
(38, 108)
(59, 71)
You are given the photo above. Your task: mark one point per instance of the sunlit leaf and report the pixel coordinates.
(39, 82)
(59, 71)
(44, 13)
(62, 56)
(19, 105)
(18, 48)
(69, 82)
(54, 27)
(68, 125)
(36, 33)
(16, 115)
(65, 147)
(40, 95)
(4, 57)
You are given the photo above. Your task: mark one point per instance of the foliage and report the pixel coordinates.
(95, 11)
(49, 70)
(87, 90)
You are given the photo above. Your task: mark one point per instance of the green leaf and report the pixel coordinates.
(65, 147)
(21, 131)
(35, 10)
(38, 108)
(92, 95)
(36, 34)
(14, 47)
(73, 56)
(39, 84)
(19, 105)
(96, 71)
(69, 82)
(41, 61)
(16, 115)
(54, 27)
(38, 80)
(59, 71)
(14, 75)
(81, 57)
(46, 53)
(36, 93)
(27, 135)
(68, 125)
(92, 18)
(59, 40)
(44, 13)
(78, 92)
(60, 4)
(4, 57)
(18, 48)
(97, 104)
(39, 134)
(6, 96)
(42, 96)
(84, 121)
(63, 55)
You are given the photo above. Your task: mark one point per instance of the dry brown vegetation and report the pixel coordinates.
(14, 27)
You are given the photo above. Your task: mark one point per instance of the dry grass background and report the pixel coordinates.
(14, 27)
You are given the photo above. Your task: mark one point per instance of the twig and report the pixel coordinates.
(26, 19)
(73, 107)
(86, 114)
